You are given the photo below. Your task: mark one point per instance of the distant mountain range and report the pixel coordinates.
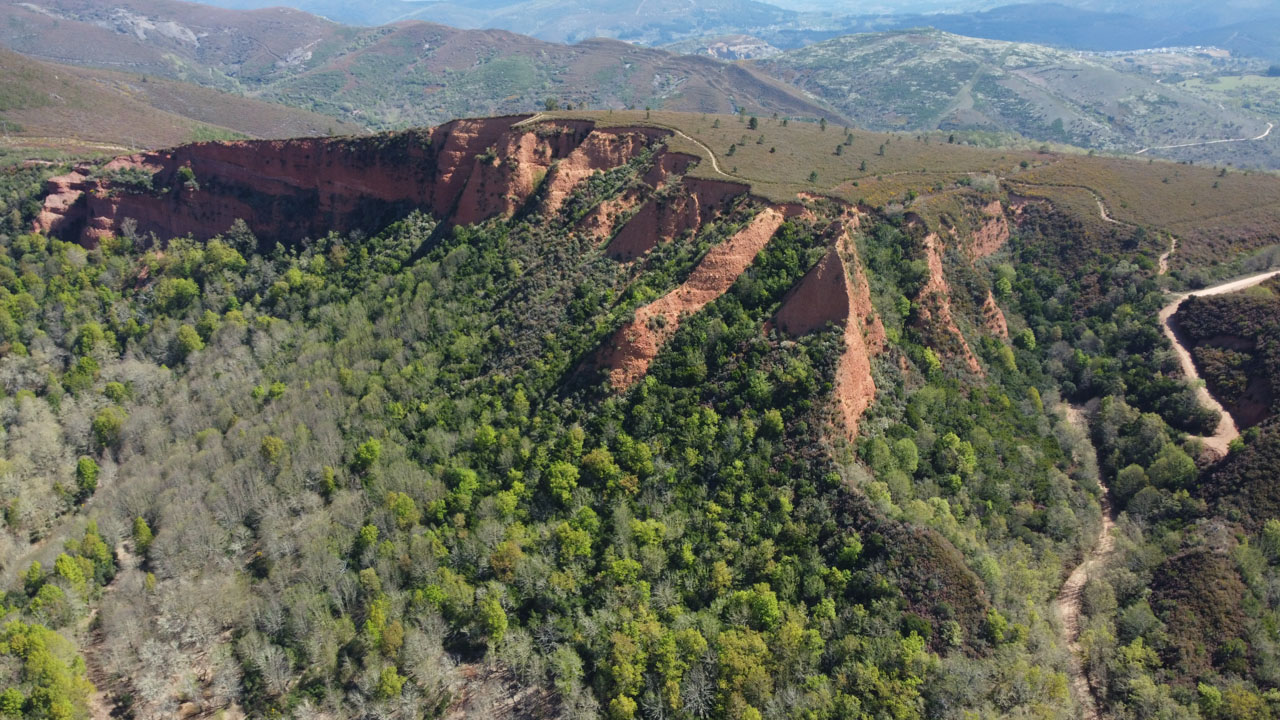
(1241, 26)
(929, 79)
(414, 73)
(411, 73)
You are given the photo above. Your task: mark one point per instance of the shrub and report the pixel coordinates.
(108, 425)
(187, 342)
(86, 477)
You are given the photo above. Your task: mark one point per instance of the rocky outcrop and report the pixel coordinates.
(933, 307)
(603, 220)
(667, 216)
(993, 233)
(993, 317)
(835, 292)
(463, 172)
(598, 152)
(627, 355)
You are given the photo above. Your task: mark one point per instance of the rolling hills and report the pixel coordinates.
(415, 73)
(928, 79)
(421, 74)
(396, 76)
(53, 107)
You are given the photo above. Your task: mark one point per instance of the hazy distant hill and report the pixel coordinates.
(422, 73)
(410, 73)
(52, 105)
(648, 21)
(210, 45)
(927, 79)
(1244, 28)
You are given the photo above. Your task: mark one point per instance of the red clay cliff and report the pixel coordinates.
(464, 171)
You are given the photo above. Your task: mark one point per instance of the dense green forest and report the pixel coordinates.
(372, 477)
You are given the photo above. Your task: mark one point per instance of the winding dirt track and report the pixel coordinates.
(1164, 259)
(1067, 603)
(1265, 133)
(715, 164)
(1227, 430)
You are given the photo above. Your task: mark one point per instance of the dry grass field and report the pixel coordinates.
(1212, 212)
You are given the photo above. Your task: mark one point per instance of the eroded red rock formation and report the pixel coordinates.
(632, 348)
(993, 317)
(835, 292)
(464, 171)
(667, 216)
(993, 233)
(934, 303)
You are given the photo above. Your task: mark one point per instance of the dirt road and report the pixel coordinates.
(1227, 430)
(1265, 133)
(1067, 603)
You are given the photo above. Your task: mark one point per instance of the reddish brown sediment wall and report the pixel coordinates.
(627, 355)
(934, 302)
(462, 172)
(667, 216)
(835, 292)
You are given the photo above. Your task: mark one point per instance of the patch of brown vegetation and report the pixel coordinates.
(632, 348)
(492, 691)
(1199, 595)
(934, 303)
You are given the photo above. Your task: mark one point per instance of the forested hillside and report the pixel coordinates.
(388, 472)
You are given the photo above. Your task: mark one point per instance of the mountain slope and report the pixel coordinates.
(421, 74)
(166, 37)
(541, 415)
(410, 73)
(927, 79)
(415, 73)
(60, 103)
(650, 22)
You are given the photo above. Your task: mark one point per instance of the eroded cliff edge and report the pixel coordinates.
(469, 171)
(464, 171)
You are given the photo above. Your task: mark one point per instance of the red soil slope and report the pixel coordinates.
(628, 354)
(835, 291)
(993, 317)
(934, 302)
(667, 216)
(993, 233)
